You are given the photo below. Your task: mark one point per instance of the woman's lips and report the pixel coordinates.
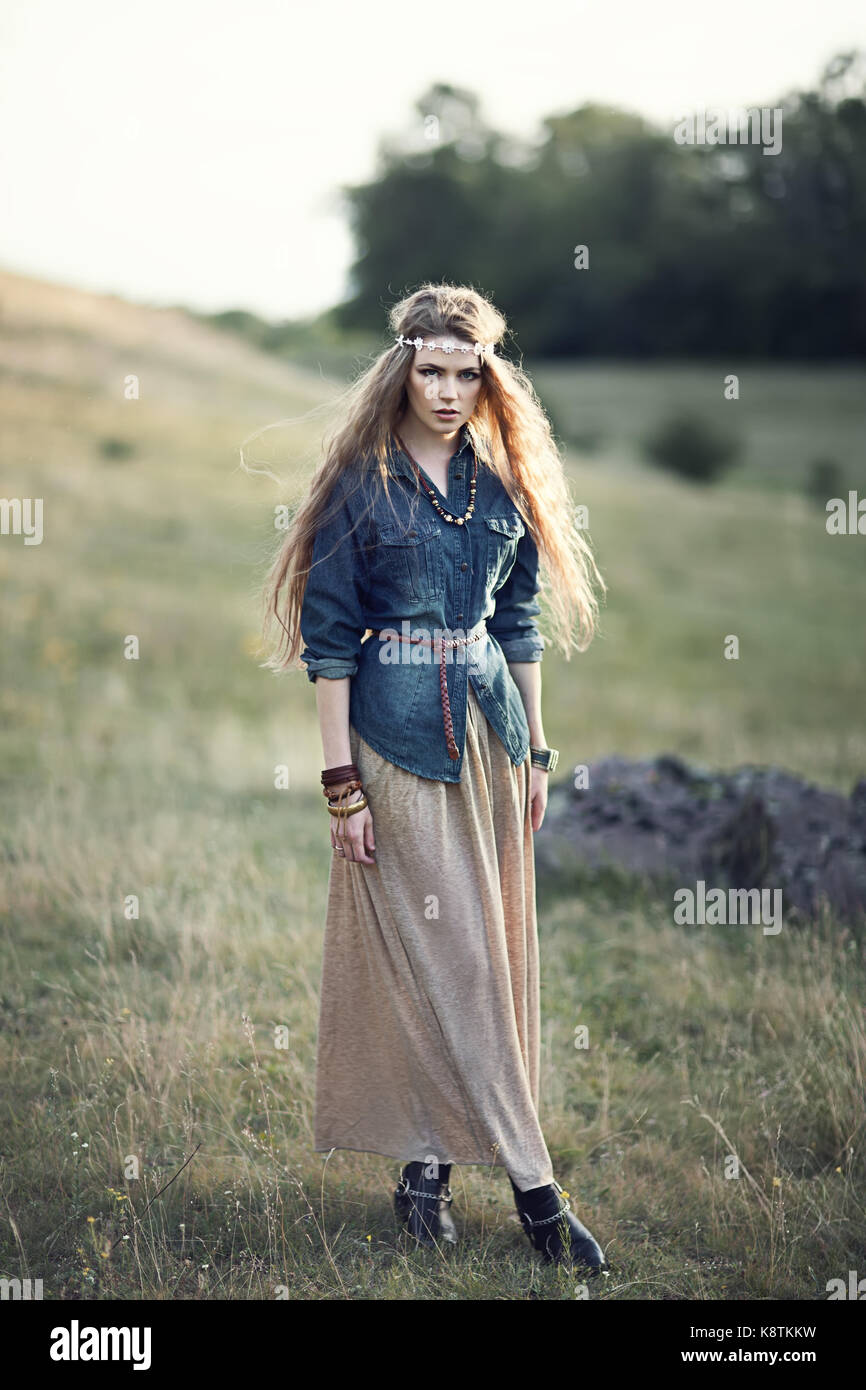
(447, 414)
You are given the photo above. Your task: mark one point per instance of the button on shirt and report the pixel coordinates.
(412, 572)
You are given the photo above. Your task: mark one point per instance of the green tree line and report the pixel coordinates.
(691, 250)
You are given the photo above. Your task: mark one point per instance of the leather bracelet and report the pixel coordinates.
(346, 787)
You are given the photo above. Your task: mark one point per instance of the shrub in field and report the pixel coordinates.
(824, 480)
(688, 445)
(116, 450)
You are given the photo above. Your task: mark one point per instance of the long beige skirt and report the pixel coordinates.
(429, 1020)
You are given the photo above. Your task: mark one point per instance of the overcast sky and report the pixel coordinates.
(187, 151)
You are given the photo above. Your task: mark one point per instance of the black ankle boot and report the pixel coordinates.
(423, 1203)
(553, 1229)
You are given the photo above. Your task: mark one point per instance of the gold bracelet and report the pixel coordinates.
(350, 809)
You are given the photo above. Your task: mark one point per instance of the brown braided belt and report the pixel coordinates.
(445, 642)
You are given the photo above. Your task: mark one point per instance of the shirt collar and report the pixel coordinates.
(401, 463)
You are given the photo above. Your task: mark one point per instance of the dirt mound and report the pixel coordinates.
(750, 828)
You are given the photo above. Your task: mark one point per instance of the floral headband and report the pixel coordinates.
(447, 345)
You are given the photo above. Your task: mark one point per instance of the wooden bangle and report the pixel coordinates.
(349, 810)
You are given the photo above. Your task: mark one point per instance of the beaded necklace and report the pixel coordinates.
(446, 516)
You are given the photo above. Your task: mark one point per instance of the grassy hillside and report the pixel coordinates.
(147, 1036)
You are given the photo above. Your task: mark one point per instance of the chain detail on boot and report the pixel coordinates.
(422, 1203)
(569, 1240)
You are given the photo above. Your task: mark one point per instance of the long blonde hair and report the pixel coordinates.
(509, 432)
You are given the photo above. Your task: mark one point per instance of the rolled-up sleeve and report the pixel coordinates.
(332, 613)
(517, 607)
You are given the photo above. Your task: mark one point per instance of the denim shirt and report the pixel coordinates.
(416, 574)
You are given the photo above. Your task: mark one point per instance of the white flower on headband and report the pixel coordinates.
(447, 345)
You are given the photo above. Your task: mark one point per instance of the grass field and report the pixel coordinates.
(128, 1041)
(784, 419)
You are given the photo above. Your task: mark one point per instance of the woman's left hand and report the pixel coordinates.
(538, 780)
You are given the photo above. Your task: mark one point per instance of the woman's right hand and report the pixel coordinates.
(352, 838)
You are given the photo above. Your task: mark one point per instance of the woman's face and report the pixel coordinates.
(442, 388)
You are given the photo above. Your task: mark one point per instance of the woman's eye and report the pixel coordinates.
(469, 374)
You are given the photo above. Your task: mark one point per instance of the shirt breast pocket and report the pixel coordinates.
(410, 559)
(503, 535)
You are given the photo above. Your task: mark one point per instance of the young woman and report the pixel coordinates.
(410, 574)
